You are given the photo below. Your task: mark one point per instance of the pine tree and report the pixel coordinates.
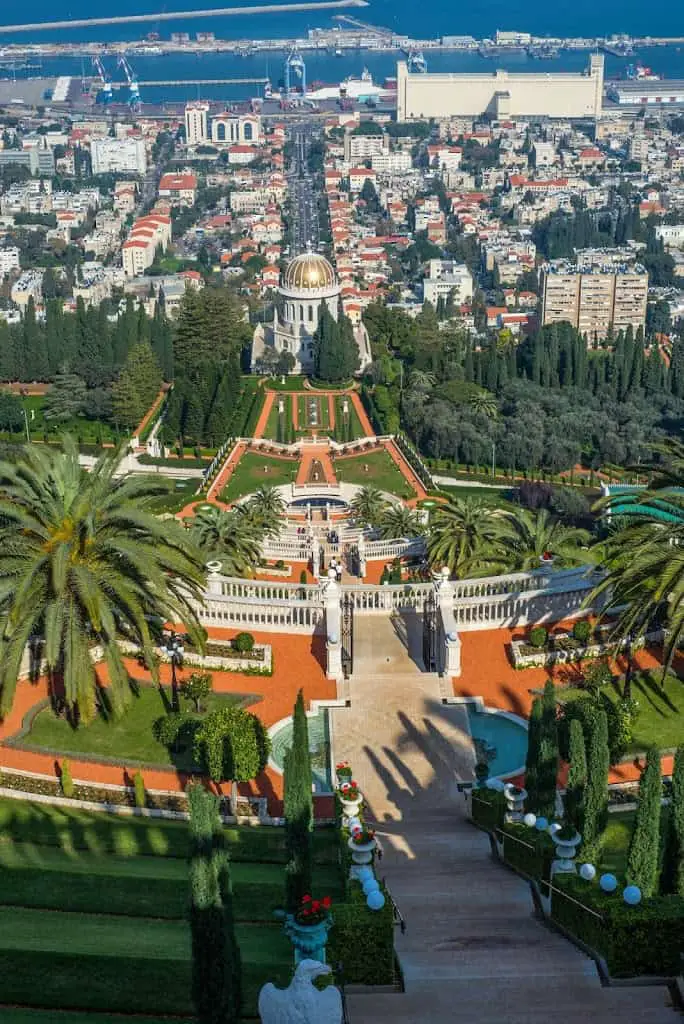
(672, 872)
(534, 728)
(596, 792)
(216, 963)
(66, 397)
(298, 807)
(644, 847)
(577, 777)
(137, 386)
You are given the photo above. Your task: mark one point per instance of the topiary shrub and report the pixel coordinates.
(582, 631)
(362, 940)
(232, 744)
(538, 636)
(139, 794)
(65, 780)
(243, 642)
(302, 576)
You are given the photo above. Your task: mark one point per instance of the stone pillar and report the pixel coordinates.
(332, 593)
(362, 556)
(451, 649)
(214, 578)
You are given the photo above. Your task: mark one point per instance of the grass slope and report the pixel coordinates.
(381, 472)
(255, 470)
(128, 738)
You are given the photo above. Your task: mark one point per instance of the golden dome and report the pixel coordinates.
(308, 271)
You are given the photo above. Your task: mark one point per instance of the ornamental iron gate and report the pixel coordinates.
(347, 636)
(430, 633)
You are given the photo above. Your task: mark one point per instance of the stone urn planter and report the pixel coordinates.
(309, 940)
(351, 799)
(361, 854)
(515, 802)
(566, 851)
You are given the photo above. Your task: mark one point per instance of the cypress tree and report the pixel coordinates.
(547, 765)
(644, 847)
(298, 807)
(532, 760)
(596, 792)
(216, 964)
(577, 777)
(672, 872)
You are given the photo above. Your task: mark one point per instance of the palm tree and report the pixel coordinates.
(400, 521)
(467, 535)
(644, 570)
(266, 507)
(84, 561)
(531, 534)
(484, 402)
(368, 506)
(230, 536)
(421, 380)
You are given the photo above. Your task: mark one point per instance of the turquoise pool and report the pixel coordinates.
(319, 748)
(499, 740)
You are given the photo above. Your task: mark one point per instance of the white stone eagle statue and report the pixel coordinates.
(301, 1002)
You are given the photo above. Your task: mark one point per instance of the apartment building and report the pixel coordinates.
(113, 156)
(178, 189)
(445, 277)
(363, 147)
(9, 260)
(594, 298)
(197, 123)
(28, 286)
(146, 236)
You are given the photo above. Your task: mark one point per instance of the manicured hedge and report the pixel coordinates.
(527, 850)
(362, 940)
(116, 984)
(127, 895)
(642, 940)
(487, 808)
(100, 832)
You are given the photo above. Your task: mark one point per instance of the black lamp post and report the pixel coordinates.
(173, 647)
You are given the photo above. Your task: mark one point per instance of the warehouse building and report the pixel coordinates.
(502, 95)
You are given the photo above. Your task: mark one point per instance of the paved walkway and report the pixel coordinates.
(406, 470)
(473, 952)
(260, 428)
(226, 472)
(366, 424)
(321, 454)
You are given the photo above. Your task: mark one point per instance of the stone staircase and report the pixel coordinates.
(473, 951)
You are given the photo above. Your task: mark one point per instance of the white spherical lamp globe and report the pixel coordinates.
(608, 882)
(587, 872)
(375, 900)
(541, 824)
(632, 895)
(364, 873)
(370, 885)
(554, 827)
(530, 820)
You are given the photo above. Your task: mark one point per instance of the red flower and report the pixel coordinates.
(354, 783)
(316, 906)
(306, 899)
(305, 912)
(327, 902)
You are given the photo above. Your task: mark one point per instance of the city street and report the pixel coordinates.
(305, 228)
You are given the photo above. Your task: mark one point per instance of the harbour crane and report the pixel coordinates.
(133, 87)
(294, 64)
(105, 81)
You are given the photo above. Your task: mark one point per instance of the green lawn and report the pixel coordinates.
(660, 721)
(128, 738)
(49, 878)
(381, 472)
(294, 383)
(89, 431)
(502, 497)
(255, 470)
(182, 493)
(355, 423)
(72, 830)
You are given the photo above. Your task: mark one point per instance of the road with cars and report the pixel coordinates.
(304, 201)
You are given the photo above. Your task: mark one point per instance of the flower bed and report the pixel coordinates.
(562, 648)
(274, 570)
(114, 796)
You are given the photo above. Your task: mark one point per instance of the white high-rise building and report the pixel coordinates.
(116, 155)
(9, 260)
(196, 123)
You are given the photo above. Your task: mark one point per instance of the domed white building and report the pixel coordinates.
(307, 283)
